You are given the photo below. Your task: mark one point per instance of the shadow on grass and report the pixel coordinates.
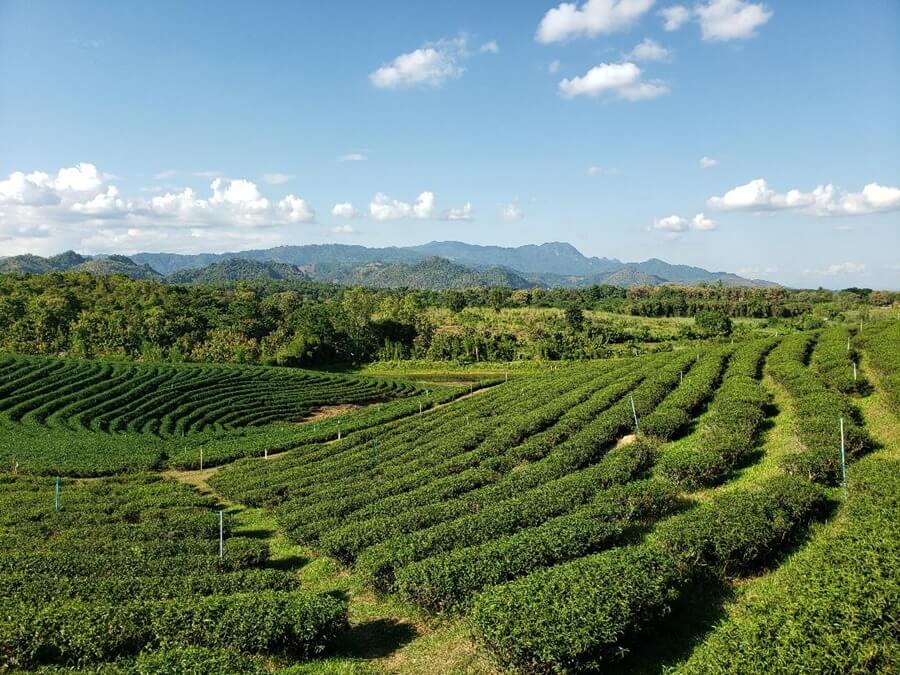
(670, 640)
(288, 564)
(374, 639)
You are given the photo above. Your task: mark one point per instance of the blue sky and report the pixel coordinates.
(754, 137)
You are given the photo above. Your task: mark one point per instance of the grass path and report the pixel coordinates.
(386, 635)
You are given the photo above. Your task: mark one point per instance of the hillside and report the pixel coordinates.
(552, 264)
(238, 270)
(70, 261)
(429, 274)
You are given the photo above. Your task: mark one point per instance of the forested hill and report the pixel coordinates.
(550, 265)
(430, 266)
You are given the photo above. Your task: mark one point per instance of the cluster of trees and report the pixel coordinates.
(300, 323)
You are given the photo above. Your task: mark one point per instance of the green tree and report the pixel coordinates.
(712, 323)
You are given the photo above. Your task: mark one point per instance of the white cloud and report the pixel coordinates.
(675, 17)
(212, 173)
(722, 20)
(296, 210)
(344, 210)
(490, 48)
(429, 66)
(594, 17)
(553, 67)
(512, 213)
(708, 162)
(677, 224)
(168, 173)
(671, 224)
(824, 200)
(79, 208)
(840, 269)
(648, 50)
(277, 178)
(353, 157)
(702, 223)
(622, 80)
(384, 208)
(602, 171)
(343, 229)
(465, 212)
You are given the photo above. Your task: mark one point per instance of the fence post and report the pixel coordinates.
(56, 496)
(221, 533)
(854, 371)
(843, 459)
(634, 413)
(201, 458)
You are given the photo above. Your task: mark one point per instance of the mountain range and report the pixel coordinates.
(447, 264)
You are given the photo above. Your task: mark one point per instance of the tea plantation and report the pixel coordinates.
(686, 510)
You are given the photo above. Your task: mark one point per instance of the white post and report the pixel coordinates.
(843, 459)
(201, 458)
(681, 376)
(634, 413)
(266, 453)
(848, 343)
(339, 432)
(221, 534)
(854, 371)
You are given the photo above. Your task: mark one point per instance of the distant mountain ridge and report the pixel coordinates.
(428, 266)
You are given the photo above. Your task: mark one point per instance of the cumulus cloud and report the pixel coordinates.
(620, 80)
(277, 178)
(511, 213)
(490, 48)
(78, 207)
(722, 20)
(464, 212)
(592, 18)
(708, 162)
(677, 224)
(429, 66)
(824, 200)
(383, 207)
(648, 50)
(345, 210)
(675, 17)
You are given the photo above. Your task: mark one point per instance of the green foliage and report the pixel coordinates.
(818, 410)
(713, 323)
(880, 344)
(830, 608)
(131, 564)
(729, 430)
(575, 616)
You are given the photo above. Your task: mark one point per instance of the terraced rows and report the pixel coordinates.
(128, 571)
(167, 400)
(536, 509)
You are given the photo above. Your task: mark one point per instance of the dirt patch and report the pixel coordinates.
(323, 412)
(626, 440)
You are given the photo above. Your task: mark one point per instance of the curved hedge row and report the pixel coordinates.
(833, 359)
(729, 431)
(450, 579)
(832, 607)
(576, 615)
(818, 410)
(82, 633)
(880, 345)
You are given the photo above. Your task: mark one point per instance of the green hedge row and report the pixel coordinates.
(880, 344)
(579, 614)
(832, 608)
(729, 430)
(817, 411)
(833, 359)
(450, 579)
(80, 633)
